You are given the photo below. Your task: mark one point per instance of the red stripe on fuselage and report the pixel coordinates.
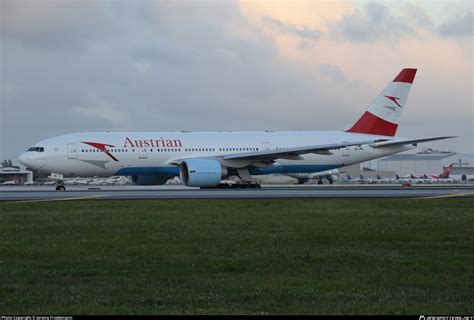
(406, 75)
(371, 124)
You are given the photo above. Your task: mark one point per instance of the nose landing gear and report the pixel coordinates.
(60, 186)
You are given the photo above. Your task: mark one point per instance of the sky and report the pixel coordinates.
(79, 66)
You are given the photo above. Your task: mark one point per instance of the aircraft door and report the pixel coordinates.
(346, 152)
(71, 151)
(143, 153)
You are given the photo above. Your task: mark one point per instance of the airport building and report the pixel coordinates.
(15, 175)
(425, 162)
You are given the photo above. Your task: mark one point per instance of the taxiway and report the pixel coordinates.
(47, 193)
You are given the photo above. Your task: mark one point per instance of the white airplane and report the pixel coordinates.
(82, 182)
(463, 177)
(70, 182)
(382, 180)
(349, 179)
(202, 159)
(403, 179)
(10, 182)
(360, 180)
(95, 182)
(329, 175)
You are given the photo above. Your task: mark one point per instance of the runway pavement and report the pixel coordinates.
(47, 193)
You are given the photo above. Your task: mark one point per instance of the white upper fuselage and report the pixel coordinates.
(135, 153)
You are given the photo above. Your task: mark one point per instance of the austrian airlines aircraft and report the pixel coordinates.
(204, 158)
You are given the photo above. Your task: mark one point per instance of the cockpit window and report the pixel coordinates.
(37, 149)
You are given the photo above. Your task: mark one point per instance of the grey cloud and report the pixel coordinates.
(55, 25)
(102, 110)
(165, 54)
(375, 23)
(415, 15)
(460, 26)
(305, 33)
(333, 72)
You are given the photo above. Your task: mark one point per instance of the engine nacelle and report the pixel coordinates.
(201, 172)
(149, 180)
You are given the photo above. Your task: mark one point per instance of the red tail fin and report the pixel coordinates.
(447, 171)
(383, 115)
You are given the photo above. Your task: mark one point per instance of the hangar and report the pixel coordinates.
(428, 161)
(16, 175)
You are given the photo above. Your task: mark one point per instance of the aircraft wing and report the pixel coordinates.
(404, 142)
(292, 153)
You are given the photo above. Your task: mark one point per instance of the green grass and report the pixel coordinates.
(358, 256)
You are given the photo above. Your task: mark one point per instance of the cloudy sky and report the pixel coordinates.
(76, 66)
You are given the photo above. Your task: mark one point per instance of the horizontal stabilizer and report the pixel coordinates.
(405, 142)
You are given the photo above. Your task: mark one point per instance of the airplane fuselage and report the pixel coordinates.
(154, 153)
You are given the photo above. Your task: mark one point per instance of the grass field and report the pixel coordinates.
(357, 256)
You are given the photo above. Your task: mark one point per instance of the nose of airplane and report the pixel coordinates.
(24, 159)
(32, 160)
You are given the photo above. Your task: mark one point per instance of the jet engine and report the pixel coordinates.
(201, 172)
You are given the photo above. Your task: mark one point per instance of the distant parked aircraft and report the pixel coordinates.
(329, 175)
(443, 177)
(361, 179)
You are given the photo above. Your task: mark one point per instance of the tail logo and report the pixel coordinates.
(394, 100)
(102, 147)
